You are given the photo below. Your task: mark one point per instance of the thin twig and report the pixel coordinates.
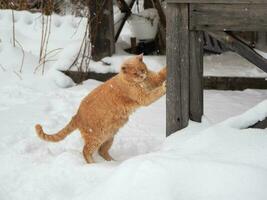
(2, 68)
(76, 30)
(13, 28)
(46, 43)
(83, 57)
(46, 59)
(79, 52)
(42, 39)
(42, 62)
(51, 51)
(20, 77)
(43, 32)
(23, 55)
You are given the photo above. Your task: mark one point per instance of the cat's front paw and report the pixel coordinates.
(164, 86)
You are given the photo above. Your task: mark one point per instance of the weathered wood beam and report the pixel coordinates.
(261, 124)
(79, 77)
(177, 102)
(196, 76)
(228, 17)
(241, 48)
(234, 83)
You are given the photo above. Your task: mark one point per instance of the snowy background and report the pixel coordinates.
(217, 159)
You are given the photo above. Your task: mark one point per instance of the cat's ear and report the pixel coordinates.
(140, 56)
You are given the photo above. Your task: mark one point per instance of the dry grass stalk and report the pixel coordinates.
(1, 66)
(13, 29)
(46, 31)
(83, 58)
(18, 75)
(47, 58)
(23, 56)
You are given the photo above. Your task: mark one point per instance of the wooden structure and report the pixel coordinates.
(261, 124)
(101, 29)
(186, 21)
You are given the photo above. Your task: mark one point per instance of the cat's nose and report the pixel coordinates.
(143, 76)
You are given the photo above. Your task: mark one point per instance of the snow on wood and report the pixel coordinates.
(219, 158)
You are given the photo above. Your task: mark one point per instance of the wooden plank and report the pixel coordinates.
(234, 83)
(219, 1)
(196, 76)
(101, 29)
(261, 124)
(79, 77)
(228, 17)
(241, 48)
(210, 82)
(177, 103)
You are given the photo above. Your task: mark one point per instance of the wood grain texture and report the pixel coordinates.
(228, 17)
(234, 83)
(177, 103)
(196, 76)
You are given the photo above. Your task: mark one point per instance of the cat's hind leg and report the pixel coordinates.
(91, 145)
(103, 150)
(87, 153)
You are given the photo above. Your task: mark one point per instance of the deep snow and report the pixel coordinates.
(216, 159)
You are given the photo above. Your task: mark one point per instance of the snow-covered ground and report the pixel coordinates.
(217, 159)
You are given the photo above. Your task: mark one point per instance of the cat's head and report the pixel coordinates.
(134, 69)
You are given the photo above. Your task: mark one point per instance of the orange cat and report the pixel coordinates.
(107, 108)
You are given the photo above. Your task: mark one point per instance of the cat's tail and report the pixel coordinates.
(68, 129)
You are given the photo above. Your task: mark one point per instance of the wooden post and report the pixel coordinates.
(196, 75)
(101, 28)
(177, 103)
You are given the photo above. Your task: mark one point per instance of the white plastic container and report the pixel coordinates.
(144, 25)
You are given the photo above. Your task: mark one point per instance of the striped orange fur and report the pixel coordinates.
(107, 108)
